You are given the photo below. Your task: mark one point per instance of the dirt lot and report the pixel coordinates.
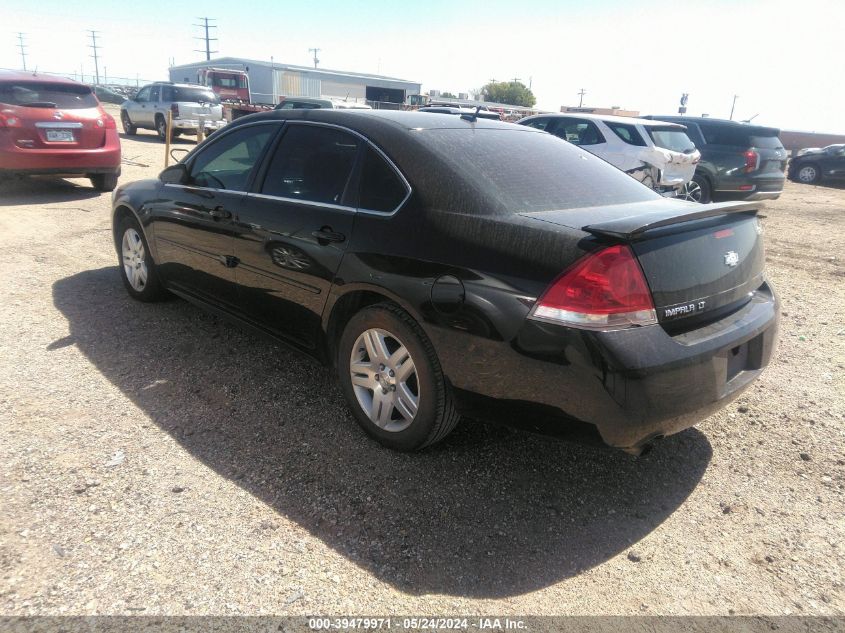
(158, 461)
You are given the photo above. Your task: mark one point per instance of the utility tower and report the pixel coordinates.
(581, 94)
(206, 26)
(22, 46)
(95, 47)
(315, 51)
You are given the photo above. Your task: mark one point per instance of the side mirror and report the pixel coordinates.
(174, 175)
(177, 150)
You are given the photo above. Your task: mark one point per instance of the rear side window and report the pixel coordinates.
(576, 131)
(312, 164)
(672, 139)
(381, 188)
(227, 163)
(627, 133)
(47, 95)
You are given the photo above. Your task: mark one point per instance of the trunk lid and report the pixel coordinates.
(57, 128)
(700, 261)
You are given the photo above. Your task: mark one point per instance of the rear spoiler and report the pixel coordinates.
(632, 227)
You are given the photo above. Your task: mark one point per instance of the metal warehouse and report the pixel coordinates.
(270, 81)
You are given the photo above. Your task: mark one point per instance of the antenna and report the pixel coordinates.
(208, 40)
(315, 51)
(733, 105)
(582, 92)
(93, 45)
(22, 46)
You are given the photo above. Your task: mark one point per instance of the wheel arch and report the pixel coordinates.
(342, 306)
(124, 209)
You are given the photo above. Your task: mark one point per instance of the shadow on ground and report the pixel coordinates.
(150, 136)
(44, 190)
(488, 513)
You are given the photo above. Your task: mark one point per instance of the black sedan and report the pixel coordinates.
(449, 265)
(819, 164)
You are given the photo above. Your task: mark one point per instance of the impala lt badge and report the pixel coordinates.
(731, 258)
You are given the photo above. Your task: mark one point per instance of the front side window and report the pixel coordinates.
(47, 95)
(381, 188)
(627, 133)
(312, 163)
(577, 131)
(227, 163)
(143, 94)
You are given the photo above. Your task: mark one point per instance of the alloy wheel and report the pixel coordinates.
(691, 191)
(384, 379)
(134, 259)
(807, 174)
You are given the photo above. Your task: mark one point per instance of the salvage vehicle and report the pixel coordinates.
(310, 103)
(659, 155)
(739, 161)
(446, 265)
(189, 106)
(813, 166)
(52, 125)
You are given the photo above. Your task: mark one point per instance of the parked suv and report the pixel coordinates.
(52, 125)
(659, 155)
(187, 102)
(817, 164)
(738, 161)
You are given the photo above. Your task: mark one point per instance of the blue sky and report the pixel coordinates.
(784, 59)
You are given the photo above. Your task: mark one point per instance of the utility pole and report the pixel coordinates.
(93, 45)
(733, 105)
(208, 40)
(22, 46)
(315, 51)
(582, 92)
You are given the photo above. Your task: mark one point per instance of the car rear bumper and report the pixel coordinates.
(22, 161)
(632, 385)
(192, 125)
(758, 188)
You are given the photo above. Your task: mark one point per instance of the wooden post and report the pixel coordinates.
(200, 128)
(168, 133)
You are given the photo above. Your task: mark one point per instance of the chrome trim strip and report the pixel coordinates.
(58, 124)
(311, 203)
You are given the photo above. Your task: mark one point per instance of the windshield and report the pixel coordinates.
(672, 139)
(228, 81)
(47, 95)
(194, 95)
(527, 171)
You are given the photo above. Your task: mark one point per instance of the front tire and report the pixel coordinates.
(137, 268)
(126, 122)
(809, 174)
(392, 379)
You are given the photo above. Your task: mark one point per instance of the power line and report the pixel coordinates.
(208, 40)
(315, 51)
(93, 45)
(22, 46)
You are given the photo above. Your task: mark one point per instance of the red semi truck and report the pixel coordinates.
(232, 86)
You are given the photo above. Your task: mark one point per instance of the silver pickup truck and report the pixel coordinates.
(188, 103)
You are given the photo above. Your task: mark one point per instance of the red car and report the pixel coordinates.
(52, 125)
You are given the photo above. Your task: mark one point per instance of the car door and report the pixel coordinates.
(293, 231)
(833, 165)
(139, 107)
(154, 106)
(193, 223)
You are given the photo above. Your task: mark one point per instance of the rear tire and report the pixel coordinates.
(392, 379)
(137, 268)
(128, 128)
(161, 128)
(103, 182)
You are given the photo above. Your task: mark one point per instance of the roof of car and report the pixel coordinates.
(752, 129)
(396, 119)
(610, 118)
(178, 85)
(20, 76)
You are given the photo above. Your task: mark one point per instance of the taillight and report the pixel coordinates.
(605, 290)
(109, 122)
(752, 161)
(9, 120)
(174, 108)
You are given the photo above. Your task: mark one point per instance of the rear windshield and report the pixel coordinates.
(527, 171)
(47, 95)
(190, 95)
(766, 142)
(671, 139)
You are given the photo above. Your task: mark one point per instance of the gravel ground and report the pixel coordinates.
(156, 460)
